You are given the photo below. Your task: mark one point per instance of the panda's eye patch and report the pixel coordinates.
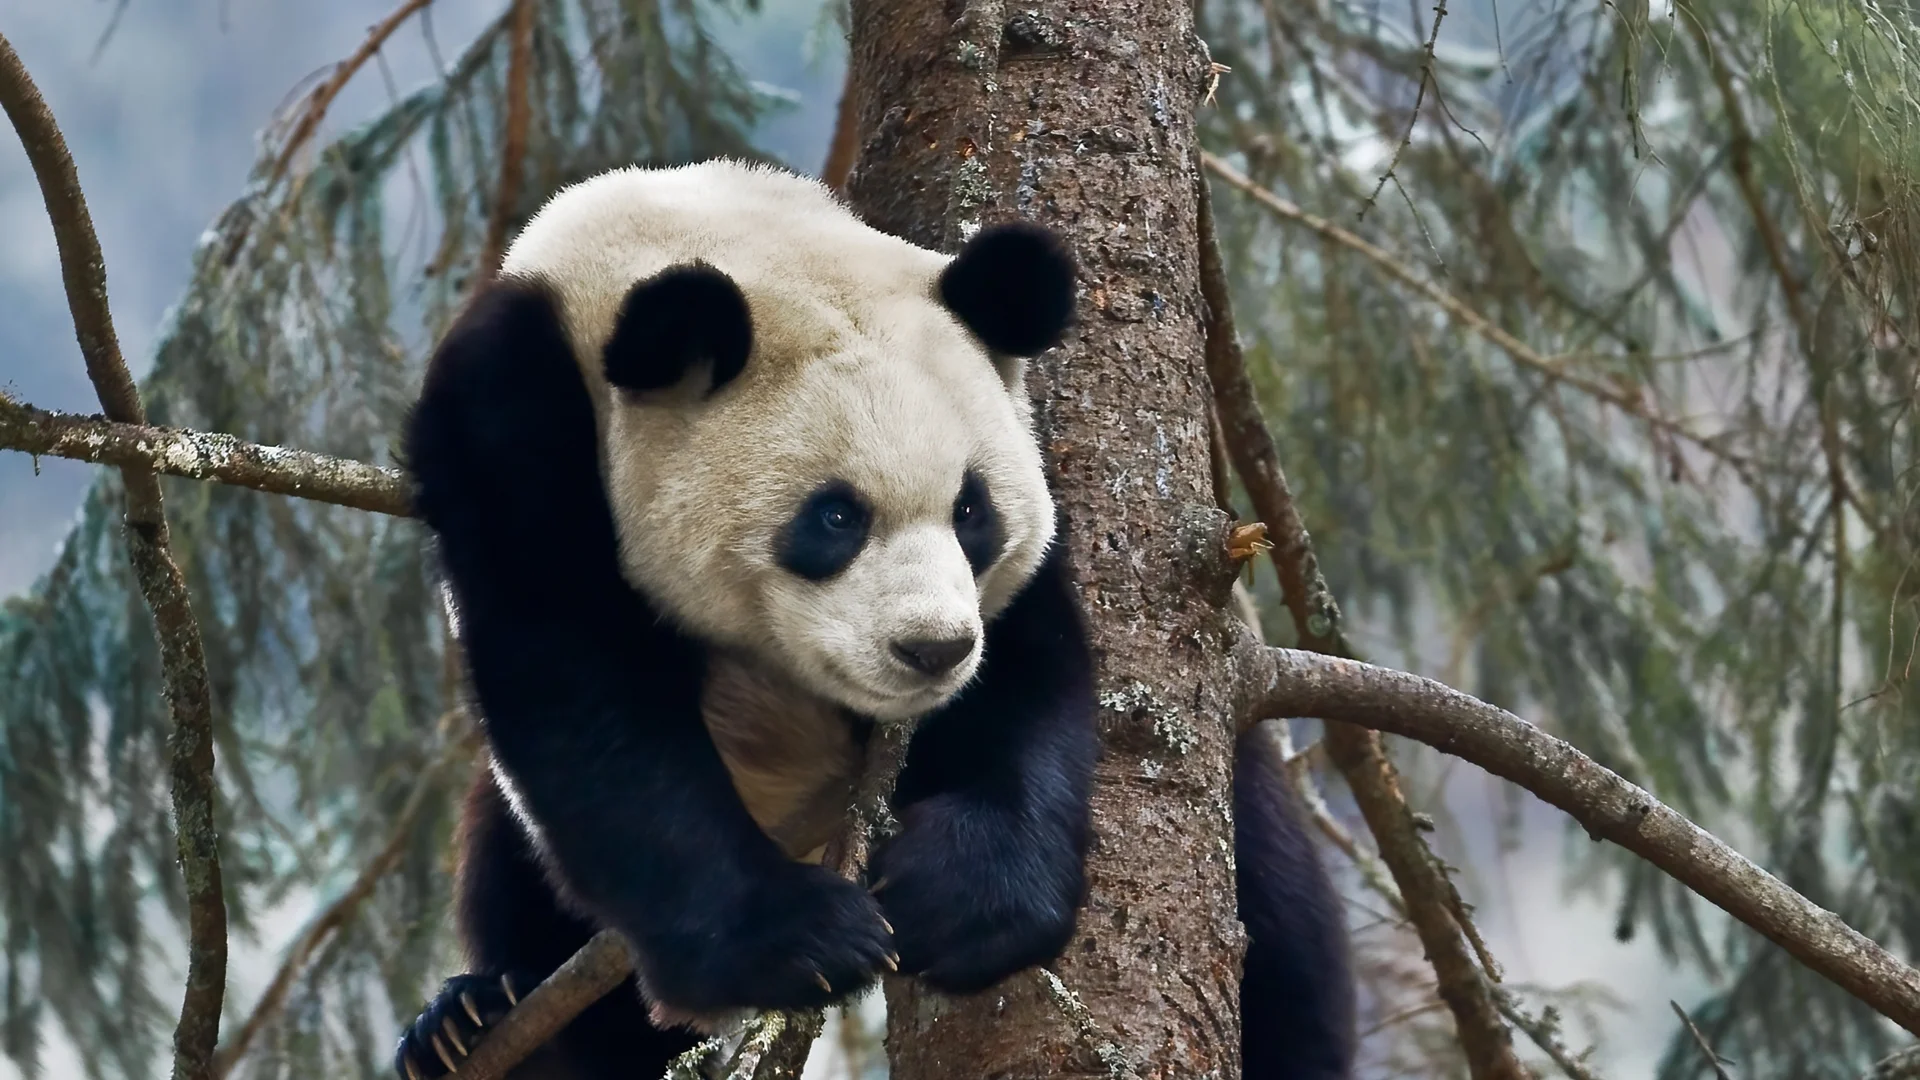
(976, 525)
(825, 534)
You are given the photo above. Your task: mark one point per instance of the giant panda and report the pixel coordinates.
(721, 478)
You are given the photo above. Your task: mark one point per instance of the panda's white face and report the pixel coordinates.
(857, 515)
(851, 500)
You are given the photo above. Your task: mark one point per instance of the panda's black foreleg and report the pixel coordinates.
(1296, 990)
(515, 933)
(987, 873)
(591, 703)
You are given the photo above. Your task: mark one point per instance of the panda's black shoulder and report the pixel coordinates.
(502, 450)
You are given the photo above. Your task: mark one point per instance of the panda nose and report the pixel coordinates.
(932, 656)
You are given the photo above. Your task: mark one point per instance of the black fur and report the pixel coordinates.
(677, 319)
(977, 524)
(988, 871)
(590, 704)
(1012, 285)
(826, 534)
(1296, 988)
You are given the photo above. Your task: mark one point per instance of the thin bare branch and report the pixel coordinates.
(844, 150)
(1544, 1030)
(1700, 1040)
(1431, 903)
(343, 908)
(1289, 682)
(1900, 1065)
(1428, 893)
(182, 657)
(203, 455)
(321, 99)
(513, 139)
(1413, 120)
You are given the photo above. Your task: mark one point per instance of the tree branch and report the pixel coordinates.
(775, 1044)
(1431, 903)
(182, 657)
(1289, 682)
(202, 455)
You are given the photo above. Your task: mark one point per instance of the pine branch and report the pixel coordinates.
(182, 656)
(1289, 682)
(343, 908)
(1431, 903)
(203, 455)
(1522, 353)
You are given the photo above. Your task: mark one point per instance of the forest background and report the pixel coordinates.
(1660, 588)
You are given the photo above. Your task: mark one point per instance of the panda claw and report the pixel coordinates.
(440, 1048)
(888, 925)
(413, 1071)
(822, 980)
(874, 889)
(473, 1011)
(506, 983)
(453, 1035)
(893, 961)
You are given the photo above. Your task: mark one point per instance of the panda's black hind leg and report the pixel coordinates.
(1296, 992)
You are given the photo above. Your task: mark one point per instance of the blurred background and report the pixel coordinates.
(1675, 529)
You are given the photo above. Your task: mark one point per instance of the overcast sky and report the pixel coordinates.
(163, 129)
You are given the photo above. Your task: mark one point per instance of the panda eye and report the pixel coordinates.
(975, 523)
(825, 533)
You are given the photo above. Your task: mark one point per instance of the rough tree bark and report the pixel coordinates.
(1079, 114)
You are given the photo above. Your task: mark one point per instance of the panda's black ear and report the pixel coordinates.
(1012, 285)
(677, 319)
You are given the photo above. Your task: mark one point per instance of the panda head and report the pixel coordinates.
(819, 449)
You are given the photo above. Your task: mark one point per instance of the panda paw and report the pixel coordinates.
(800, 937)
(454, 1023)
(974, 894)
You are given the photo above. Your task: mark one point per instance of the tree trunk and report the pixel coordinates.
(1078, 114)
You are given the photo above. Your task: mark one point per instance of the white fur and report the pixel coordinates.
(857, 373)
